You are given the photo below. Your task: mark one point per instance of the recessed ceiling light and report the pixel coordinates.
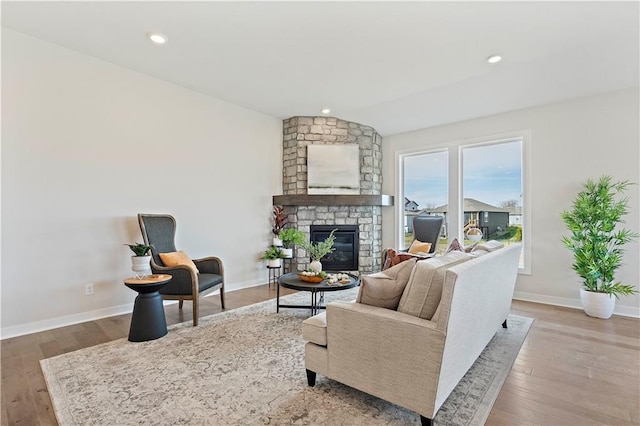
(326, 110)
(157, 38)
(494, 59)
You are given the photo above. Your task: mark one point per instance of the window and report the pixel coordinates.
(426, 189)
(474, 184)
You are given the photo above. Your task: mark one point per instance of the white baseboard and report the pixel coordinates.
(37, 326)
(626, 311)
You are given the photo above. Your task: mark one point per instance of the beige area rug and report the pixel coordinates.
(246, 367)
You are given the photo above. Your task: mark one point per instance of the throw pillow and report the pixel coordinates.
(178, 258)
(418, 247)
(394, 258)
(384, 289)
(422, 294)
(455, 246)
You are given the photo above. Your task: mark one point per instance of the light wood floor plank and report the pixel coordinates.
(567, 362)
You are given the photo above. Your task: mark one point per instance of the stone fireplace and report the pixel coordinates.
(346, 255)
(363, 211)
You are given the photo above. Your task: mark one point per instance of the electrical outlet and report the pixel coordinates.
(88, 289)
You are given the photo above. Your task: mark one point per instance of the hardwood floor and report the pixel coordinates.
(571, 370)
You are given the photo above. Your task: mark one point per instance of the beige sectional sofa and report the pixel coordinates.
(414, 356)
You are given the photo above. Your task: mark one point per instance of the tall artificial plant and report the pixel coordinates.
(596, 239)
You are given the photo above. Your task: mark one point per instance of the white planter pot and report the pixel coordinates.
(141, 265)
(315, 266)
(275, 263)
(597, 305)
(287, 253)
(277, 242)
(474, 238)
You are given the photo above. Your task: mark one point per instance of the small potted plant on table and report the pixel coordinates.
(318, 250)
(141, 261)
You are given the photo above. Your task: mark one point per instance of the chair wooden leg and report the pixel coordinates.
(180, 303)
(195, 311)
(222, 297)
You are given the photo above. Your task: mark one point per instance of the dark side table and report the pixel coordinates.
(148, 321)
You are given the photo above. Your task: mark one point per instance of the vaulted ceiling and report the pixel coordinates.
(396, 66)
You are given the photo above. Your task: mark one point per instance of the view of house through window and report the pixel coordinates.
(426, 189)
(492, 191)
(491, 184)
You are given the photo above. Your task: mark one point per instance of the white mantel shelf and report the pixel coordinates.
(333, 200)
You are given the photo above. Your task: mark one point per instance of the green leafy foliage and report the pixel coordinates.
(596, 240)
(518, 234)
(139, 249)
(318, 250)
(272, 253)
(291, 236)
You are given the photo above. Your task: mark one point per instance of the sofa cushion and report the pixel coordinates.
(385, 288)
(424, 289)
(314, 329)
(418, 247)
(491, 245)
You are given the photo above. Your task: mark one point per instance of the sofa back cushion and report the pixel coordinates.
(423, 292)
(385, 288)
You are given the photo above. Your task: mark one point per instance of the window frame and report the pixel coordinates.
(455, 221)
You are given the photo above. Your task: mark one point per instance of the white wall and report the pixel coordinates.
(571, 141)
(87, 145)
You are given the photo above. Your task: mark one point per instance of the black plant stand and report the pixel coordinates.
(148, 321)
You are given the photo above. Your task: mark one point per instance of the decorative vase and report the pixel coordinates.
(315, 266)
(287, 253)
(275, 263)
(277, 242)
(474, 235)
(141, 265)
(597, 305)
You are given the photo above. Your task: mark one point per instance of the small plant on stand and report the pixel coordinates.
(317, 251)
(274, 256)
(279, 221)
(141, 262)
(290, 237)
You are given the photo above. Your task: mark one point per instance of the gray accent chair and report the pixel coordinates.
(159, 231)
(427, 229)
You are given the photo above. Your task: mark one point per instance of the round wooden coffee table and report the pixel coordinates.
(317, 290)
(148, 321)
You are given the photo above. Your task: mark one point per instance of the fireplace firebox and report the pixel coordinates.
(347, 246)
